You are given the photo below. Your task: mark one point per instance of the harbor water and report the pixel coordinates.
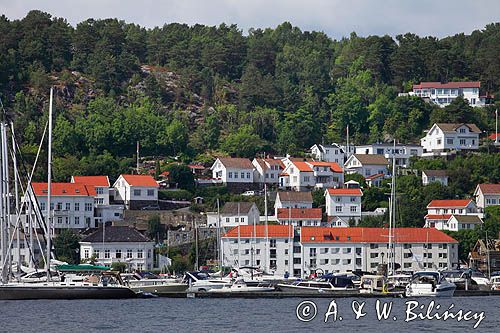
(239, 315)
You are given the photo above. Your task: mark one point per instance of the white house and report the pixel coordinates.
(444, 138)
(443, 94)
(440, 211)
(367, 165)
(292, 199)
(303, 251)
(103, 210)
(233, 170)
(267, 170)
(342, 205)
(136, 191)
(72, 205)
(300, 217)
(118, 244)
(435, 176)
(402, 152)
(304, 175)
(458, 222)
(235, 213)
(328, 153)
(487, 195)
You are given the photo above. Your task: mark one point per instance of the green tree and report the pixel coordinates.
(67, 246)
(181, 175)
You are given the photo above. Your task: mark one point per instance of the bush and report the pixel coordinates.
(175, 195)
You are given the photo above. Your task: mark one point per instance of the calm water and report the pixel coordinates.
(228, 315)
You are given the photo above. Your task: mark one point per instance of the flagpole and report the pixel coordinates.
(496, 126)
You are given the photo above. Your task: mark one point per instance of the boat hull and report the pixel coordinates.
(446, 291)
(64, 292)
(161, 289)
(309, 290)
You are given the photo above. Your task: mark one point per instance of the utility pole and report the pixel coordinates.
(496, 127)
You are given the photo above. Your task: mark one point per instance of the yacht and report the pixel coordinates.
(461, 278)
(153, 284)
(482, 281)
(375, 284)
(429, 283)
(400, 281)
(334, 283)
(239, 285)
(495, 282)
(202, 282)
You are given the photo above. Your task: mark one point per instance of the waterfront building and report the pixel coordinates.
(299, 217)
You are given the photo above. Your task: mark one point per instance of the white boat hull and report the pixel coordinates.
(427, 290)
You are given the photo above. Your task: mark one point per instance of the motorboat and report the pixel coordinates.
(202, 282)
(399, 281)
(153, 284)
(240, 285)
(375, 284)
(482, 281)
(495, 282)
(430, 283)
(461, 278)
(330, 284)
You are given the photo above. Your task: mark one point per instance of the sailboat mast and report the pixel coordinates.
(239, 237)
(6, 189)
(16, 193)
(49, 185)
(266, 231)
(219, 235)
(3, 216)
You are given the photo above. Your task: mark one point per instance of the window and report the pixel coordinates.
(66, 219)
(346, 250)
(407, 255)
(88, 207)
(129, 254)
(312, 252)
(462, 130)
(296, 260)
(462, 142)
(230, 175)
(139, 254)
(307, 178)
(407, 265)
(97, 254)
(86, 253)
(151, 193)
(68, 206)
(118, 254)
(235, 175)
(353, 199)
(99, 201)
(227, 219)
(373, 255)
(99, 190)
(248, 175)
(59, 219)
(438, 141)
(406, 246)
(373, 246)
(59, 206)
(137, 193)
(296, 249)
(338, 209)
(77, 206)
(107, 254)
(77, 219)
(42, 205)
(242, 175)
(449, 141)
(354, 209)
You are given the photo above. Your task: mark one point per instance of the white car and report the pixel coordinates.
(249, 193)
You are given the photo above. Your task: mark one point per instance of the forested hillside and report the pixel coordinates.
(190, 91)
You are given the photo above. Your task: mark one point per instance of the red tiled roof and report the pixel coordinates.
(372, 235)
(63, 189)
(425, 85)
(140, 180)
(273, 231)
(273, 161)
(345, 191)
(303, 166)
(299, 213)
(493, 136)
(100, 181)
(333, 166)
(165, 173)
(449, 203)
(283, 174)
(437, 216)
(490, 188)
(372, 177)
(195, 166)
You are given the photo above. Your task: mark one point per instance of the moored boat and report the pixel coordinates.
(431, 284)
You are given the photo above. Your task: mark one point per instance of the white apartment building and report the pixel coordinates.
(440, 211)
(136, 191)
(72, 205)
(342, 205)
(120, 244)
(292, 199)
(444, 138)
(307, 249)
(403, 153)
(267, 170)
(300, 217)
(487, 195)
(233, 170)
(328, 153)
(234, 214)
(434, 176)
(443, 94)
(367, 165)
(104, 211)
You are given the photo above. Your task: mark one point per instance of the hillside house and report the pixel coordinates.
(442, 139)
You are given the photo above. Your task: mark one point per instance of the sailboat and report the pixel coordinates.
(99, 281)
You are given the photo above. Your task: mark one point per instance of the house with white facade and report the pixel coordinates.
(267, 170)
(458, 222)
(328, 153)
(442, 94)
(487, 195)
(292, 199)
(300, 217)
(442, 139)
(118, 244)
(233, 170)
(301, 252)
(434, 176)
(136, 191)
(402, 152)
(343, 205)
(306, 175)
(233, 214)
(367, 165)
(440, 211)
(104, 211)
(71, 206)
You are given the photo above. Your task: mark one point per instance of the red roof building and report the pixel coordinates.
(99, 181)
(461, 203)
(345, 192)
(140, 180)
(273, 231)
(63, 189)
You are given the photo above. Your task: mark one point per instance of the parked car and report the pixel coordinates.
(249, 193)
(151, 207)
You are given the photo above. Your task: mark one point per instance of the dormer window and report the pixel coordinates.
(462, 130)
(45, 191)
(77, 191)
